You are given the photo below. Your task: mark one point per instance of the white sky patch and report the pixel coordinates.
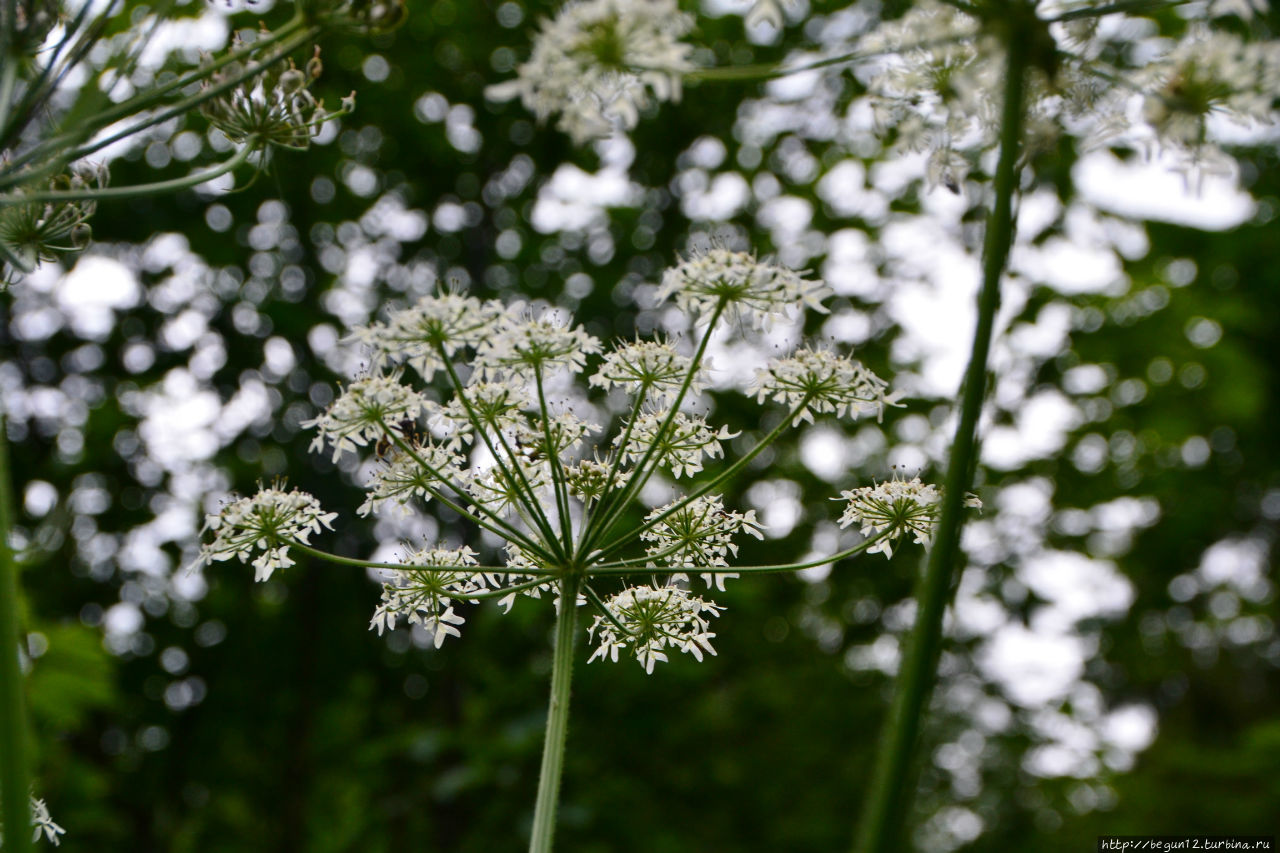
(723, 198)
(178, 420)
(1067, 267)
(1041, 425)
(844, 189)
(1075, 587)
(92, 291)
(934, 305)
(1033, 667)
(848, 269)
(1151, 190)
(574, 200)
(190, 36)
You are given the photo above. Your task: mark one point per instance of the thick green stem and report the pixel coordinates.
(544, 812)
(890, 795)
(14, 780)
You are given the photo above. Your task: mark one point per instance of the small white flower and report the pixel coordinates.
(518, 559)
(893, 508)
(698, 534)
(565, 431)
(268, 523)
(741, 286)
(531, 346)
(364, 412)
(496, 406)
(680, 447)
(654, 620)
(424, 595)
(823, 382)
(446, 323)
(401, 477)
(651, 368)
(589, 479)
(600, 62)
(43, 824)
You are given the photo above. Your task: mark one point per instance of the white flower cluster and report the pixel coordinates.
(821, 381)
(509, 451)
(363, 413)
(648, 621)
(652, 368)
(674, 440)
(1209, 73)
(424, 594)
(935, 72)
(896, 508)
(43, 824)
(266, 523)
(740, 287)
(698, 533)
(600, 62)
(271, 108)
(434, 329)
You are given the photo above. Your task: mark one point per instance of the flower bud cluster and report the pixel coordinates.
(273, 107)
(40, 231)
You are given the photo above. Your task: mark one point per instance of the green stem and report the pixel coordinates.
(514, 474)
(408, 567)
(14, 781)
(604, 611)
(499, 527)
(151, 96)
(553, 462)
(625, 568)
(116, 193)
(615, 501)
(59, 144)
(890, 795)
(544, 812)
(8, 79)
(723, 476)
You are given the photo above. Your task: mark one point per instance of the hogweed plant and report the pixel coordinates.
(480, 407)
(954, 79)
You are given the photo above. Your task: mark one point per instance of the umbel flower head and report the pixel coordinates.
(275, 107)
(896, 508)
(600, 62)
(499, 427)
(265, 525)
(35, 232)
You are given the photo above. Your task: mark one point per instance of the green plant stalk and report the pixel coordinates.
(137, 190)
(59, 143)
(513, 474)
(14, 780)
(497, 527)
(889, 797)
(544, 811)
(615, 501)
